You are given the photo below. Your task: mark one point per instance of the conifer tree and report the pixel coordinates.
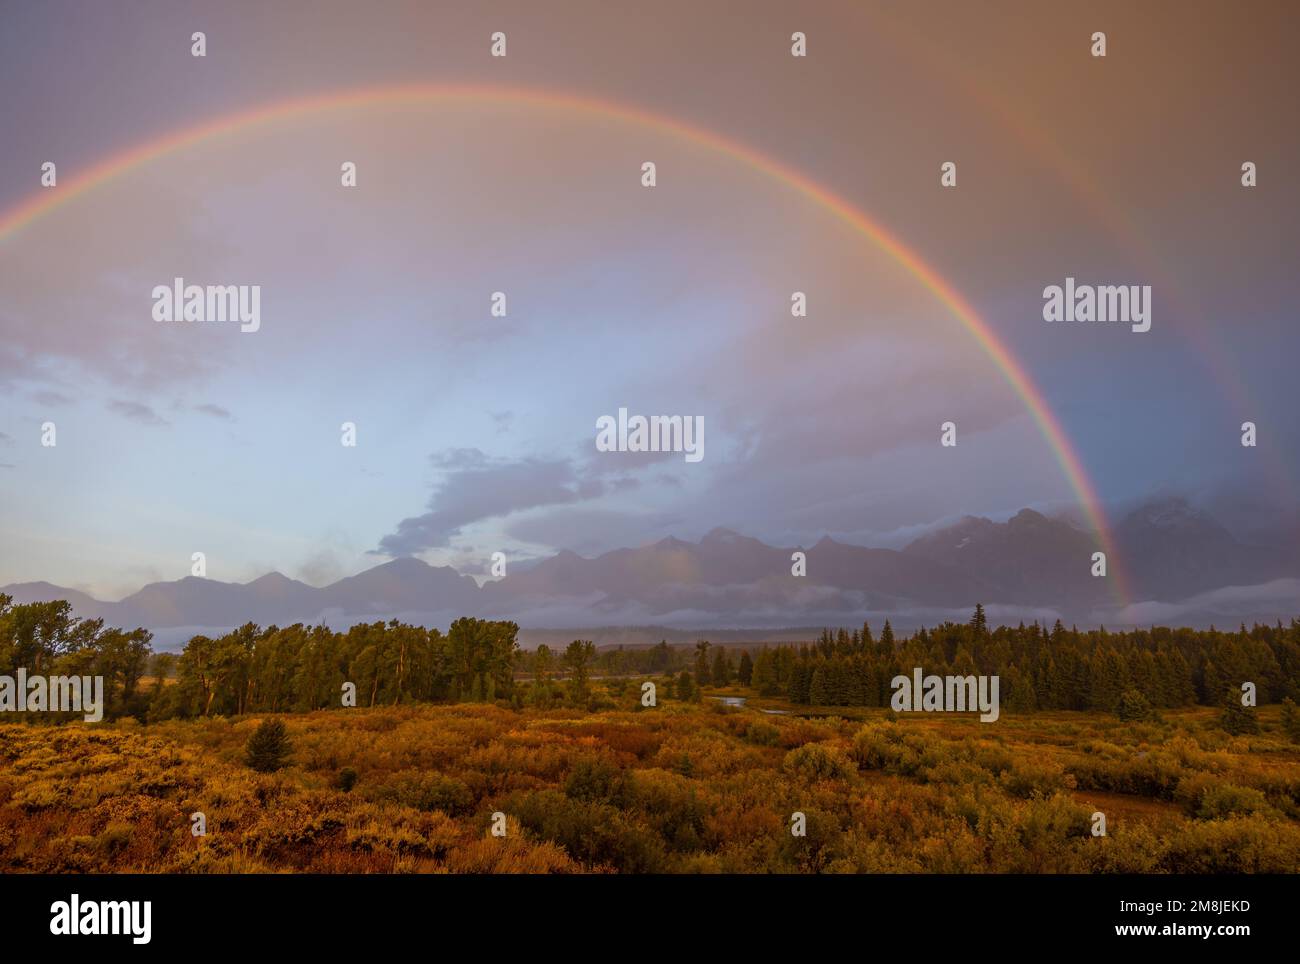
(1236, 718)
(268, 748)
(745, 671)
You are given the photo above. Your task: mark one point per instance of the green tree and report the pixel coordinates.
(818, 694)
(1291, 720)
(745, 671)
(686, 686)
(577, 659)
(702, 675)
(1236, 718)
(1135, 707)
(721, 673)
(268, 748)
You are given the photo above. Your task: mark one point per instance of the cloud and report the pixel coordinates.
(590, 531)
(216, 411)
(47, 397)
(321, 569)
(137, 412)
(1264, 602)
(476, 487)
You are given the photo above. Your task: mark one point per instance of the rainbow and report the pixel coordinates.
(45, 201)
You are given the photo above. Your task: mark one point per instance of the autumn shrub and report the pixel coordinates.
(819, 761)
(1225, 800)
(764, 734)
(346, 779)
(595, 778)
(426, 791)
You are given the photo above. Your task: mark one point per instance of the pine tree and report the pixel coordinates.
(1291, 720)
(1135, 707)
(764, 679)
(978, 622)
(721, 674)
(1236, 718)
(268, 748)
(817, 694)
(702, 663)
(685, 686)
(745, 672)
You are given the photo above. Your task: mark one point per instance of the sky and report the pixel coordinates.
(475, 433)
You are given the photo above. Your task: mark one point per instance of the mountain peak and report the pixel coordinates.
(272, 578)
(671, 542)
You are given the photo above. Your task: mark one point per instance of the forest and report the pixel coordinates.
(302, 668)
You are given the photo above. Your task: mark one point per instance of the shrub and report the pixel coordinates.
(1225, 799)
(346, 779)
(818, 761)
(429, 791)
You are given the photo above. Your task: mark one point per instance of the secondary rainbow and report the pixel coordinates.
(51, 199)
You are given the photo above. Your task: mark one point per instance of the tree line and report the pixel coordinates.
(300, 668)
(1040, 668)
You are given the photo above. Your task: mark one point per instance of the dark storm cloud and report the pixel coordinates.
(475, 487)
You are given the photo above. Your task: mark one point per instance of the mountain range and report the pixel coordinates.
(1032, 564)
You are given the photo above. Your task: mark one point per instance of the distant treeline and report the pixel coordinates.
(301, 668)
(1056, 669)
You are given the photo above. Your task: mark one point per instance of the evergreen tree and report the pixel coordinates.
(268, 748)
(1236, 718)
(745, 672)
(686, 686)
(1291, 720)
(817, 689)
(721, 673)
(1135, 707)
(702, 675)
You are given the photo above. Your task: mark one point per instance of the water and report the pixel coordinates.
(740, 701)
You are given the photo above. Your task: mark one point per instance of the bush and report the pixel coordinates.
(346, 779)
(268, 748)
(1226, 800)
(430, 791)
(817, 761)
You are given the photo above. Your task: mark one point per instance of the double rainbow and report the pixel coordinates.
(45, 201)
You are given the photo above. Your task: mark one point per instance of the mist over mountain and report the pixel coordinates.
(1179, 562)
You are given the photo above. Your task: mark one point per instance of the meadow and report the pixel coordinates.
(687, 786)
